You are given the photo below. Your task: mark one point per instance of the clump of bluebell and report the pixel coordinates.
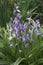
(23, 31)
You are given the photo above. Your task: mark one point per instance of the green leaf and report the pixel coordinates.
(1, 43)
(18, 61)
(40, 60)
(2, 62)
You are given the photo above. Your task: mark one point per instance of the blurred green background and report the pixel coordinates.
(7, 7)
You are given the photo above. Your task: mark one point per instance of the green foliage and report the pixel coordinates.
(17, 62)
(5, 12)
(6, 8)
(9, 55)
(31, 56)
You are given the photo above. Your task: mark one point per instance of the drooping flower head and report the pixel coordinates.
(26, 27)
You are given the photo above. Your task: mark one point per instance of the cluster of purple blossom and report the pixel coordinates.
(23, 31)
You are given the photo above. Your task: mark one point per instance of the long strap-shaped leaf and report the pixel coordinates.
(2, 62)
(18, 61)
(39, 61)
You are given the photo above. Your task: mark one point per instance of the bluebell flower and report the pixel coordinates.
(28, 19)
(19, 16)
(16, 5)
(25, 26)
(26, 45)
(19, 37)
(14, 12)
(28, 36)
(24, 38)
(31, 27)
(16, 30)
(22, 27)
(17, 24)
(16, 21)
(36, 31)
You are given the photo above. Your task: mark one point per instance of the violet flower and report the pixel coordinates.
(23, 38)
(36, 31)
(19, 37)
(16, 21)
(22, 27)
(26, 45)
(19, 16)
(28, 19)
(25, 26)
(15, 5)
(31, 27)
(28, 36)
(14, 12)
(16, 30)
